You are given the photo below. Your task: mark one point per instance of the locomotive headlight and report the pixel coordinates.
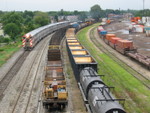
(27, 36)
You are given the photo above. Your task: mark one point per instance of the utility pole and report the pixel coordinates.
(143, 6)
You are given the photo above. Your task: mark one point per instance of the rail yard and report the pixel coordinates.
(58, 72)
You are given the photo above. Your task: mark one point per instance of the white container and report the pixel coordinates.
(139, 29)
(148, 19)
(103, 23)
(148, 33)
(143, 20)
(104, 19)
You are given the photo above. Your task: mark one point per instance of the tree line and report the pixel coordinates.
(17, 23)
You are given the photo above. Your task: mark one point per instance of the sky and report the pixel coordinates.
(70, 5)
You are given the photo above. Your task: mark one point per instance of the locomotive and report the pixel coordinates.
(29, 40)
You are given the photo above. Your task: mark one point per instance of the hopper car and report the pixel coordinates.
(125, 47)
(97, 94)
(29, 40)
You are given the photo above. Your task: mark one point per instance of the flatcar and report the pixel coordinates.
(29, 40)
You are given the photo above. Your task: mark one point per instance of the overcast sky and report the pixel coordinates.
(70, 5)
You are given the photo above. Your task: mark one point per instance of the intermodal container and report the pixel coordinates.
(108, 21)
(125, 44)
(108, 37)
(100, 28)
(114, 40)
(103, 32)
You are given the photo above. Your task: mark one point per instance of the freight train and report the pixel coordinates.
(29, 40)
(55, 94)
(97, 93)
(79, 25)
(125, 47)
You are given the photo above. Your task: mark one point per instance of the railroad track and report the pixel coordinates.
(11, 73)
(144, 80)
(22, 93)
(29, 82)
(58, 35)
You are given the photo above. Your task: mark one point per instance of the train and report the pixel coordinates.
(80, 24)
(125, 47)
(98, 97)
(29, 40)
(55, 94)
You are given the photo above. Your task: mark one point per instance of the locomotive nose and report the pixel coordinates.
(27, 40)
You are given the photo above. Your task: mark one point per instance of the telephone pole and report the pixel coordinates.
(143, 7)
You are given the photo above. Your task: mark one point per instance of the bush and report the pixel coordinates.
(1, 50)
(6, 40)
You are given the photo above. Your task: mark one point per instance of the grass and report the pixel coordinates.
(7, 51)
(126, 86)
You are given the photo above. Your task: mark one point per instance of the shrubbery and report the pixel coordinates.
(5, 40)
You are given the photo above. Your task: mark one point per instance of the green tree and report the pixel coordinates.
(56, 18)
(12, 30)
(41, 18)
(30, 26)
(82, 16)
(61, 13)
(96, 12)
(28, 14)
(12, 17)
(76, 12)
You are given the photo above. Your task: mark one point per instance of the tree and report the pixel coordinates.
(61, 13)
(41, 18)
(82, 16)
(96, 12)
(76, 12)
(12, 30)
(13, 17)
(28, 14)
(30, 26)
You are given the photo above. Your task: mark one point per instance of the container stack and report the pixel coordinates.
(108, 37)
